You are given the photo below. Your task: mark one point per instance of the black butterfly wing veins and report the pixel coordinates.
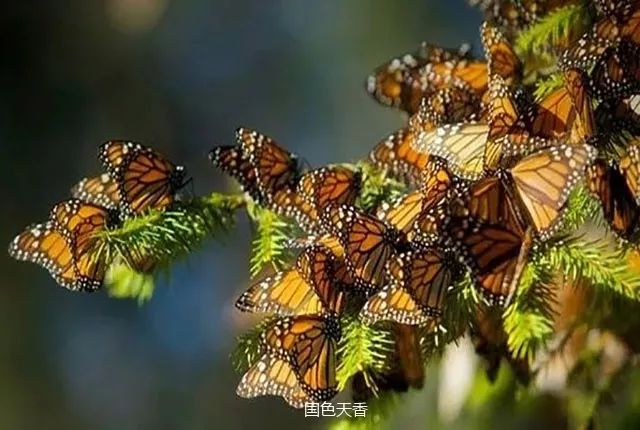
(309, 287)
(417, 283)
(42, 244)
(100, 190)
(147, 180)
(308, 344)
(233, 161)
(275, 168)
(368, 243)
(80, 223)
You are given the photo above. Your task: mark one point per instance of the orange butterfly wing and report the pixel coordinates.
(274, 376)
(146, 179)
(544, 180)
(308, 343)
(44, 245)
(100, 190)
(367, 242)
(618, 203)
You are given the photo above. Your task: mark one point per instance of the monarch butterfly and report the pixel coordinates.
(438, 184)
(439, 188)
(494, 252)
(273, 376)
(308, 288)
(493, 228)
(582, 126)
(541, 184)
(614, 116)
(566, 110)
(341, 275)
(284, 201)
(504, 120)
(397, 83)
(452, 104)
(619, 205)
(429, 226)
(100, 190)
(402, 213)
(146, 179)
(396, 155)
(630, 166)
(298, 361)
(233, 161)
(80, 222)
(513, 16)
(540, 125)
(470, 73)
(67, 246)
(44, 245)
(501, 58)
(619, 22)
(368, 243)
(327, 185)
(461, 145)
(275, 167)
(544, 180)
(616, 73)
(417, 285)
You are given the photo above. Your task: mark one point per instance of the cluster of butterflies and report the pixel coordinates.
(489, 171)
(137, 179)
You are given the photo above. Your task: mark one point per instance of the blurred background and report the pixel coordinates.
(181, 76)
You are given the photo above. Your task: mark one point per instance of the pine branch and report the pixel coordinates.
(159, 238)
(272, 236)
(528, 320)
(596, 263)
(458, 314)
(553, 31)
(582, 209)
(362, 348)
(146, 244)
(248, 349)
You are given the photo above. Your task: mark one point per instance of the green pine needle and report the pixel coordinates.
(362, 348)
(161, 237)
(555, 30)
(247, 349)
(151, 242)
(582, 209)
(459, 310)
(272, 235)
(528, 320)
(594, 262)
